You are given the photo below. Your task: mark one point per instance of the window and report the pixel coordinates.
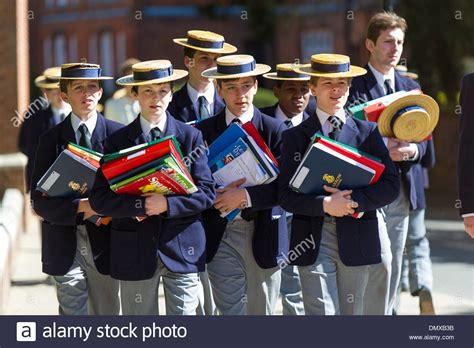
(319, 41)
(59, 49)
(47, 51)
(107, 58)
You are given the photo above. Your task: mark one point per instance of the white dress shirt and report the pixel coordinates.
(147, 126)
(76, 122)
(281, 116)
(57, 112)
(208, 94)
(323, 119)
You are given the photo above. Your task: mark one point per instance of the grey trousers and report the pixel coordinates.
(141, 297)
(239, 285)
(206, 305)
(83, 290)
(329, 286)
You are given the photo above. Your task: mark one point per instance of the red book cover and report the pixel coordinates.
(252, 131)
(147, 184)
(372, 112)
(133, 160)
(89, 159)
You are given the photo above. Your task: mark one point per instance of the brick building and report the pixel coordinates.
(109, 31)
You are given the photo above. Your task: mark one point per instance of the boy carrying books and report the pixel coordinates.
(170, 241)
(334, 272)
(75, 251)
(242, 254)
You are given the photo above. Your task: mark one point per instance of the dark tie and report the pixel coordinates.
(84, 141)
(155, 133)
(336, 124)
(203, 108)
(388, 87)
(288, 123)
(236, 120)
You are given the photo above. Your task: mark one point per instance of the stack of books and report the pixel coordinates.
(331, 163)
(72, 175)
(240, 152)
(156, 167)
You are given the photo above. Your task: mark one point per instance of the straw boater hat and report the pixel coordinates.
(49, 79)
(410, 118)
(82, 71)
(330, 65)
(206, 41)
(285, 72)
(403, 70)
(151, 72)
(235, 66)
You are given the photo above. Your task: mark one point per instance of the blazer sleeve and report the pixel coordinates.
(56, 210)
(387, 188)
(466, 146)
(106, 202)
(292, 201)
(266, 196)
(186, 205)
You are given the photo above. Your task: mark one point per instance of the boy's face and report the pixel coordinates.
(200, 62)
(238, 94)
(83, 96)
(154, 99)
(387, 50)
(331, 93)
(293, 96)
(54, 97)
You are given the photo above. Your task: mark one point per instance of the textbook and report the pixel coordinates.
(71, 176)
(236, 154)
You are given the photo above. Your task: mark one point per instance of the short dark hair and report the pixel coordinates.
(189, 52)
(64, 83)
(219, 81)
(135, 88)
(314, 80)
(382, 21)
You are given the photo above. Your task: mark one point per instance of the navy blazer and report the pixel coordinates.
(270, 239)
(60, 214)
(365, 88)
(271, 111)
(177, 236)
(182, 108)
(466, 146)
(358, 239)
(28, 140)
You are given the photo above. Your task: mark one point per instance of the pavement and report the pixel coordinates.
(452, 253)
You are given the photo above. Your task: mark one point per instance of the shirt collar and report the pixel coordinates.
(281, 116)
(208, 93)
(380, 78)
(244, 118)
(147, 126)
(323, 116)
(90, 123)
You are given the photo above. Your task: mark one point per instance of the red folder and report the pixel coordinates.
(137, 187)
(252, 131)
(135, 159)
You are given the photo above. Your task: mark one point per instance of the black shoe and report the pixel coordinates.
(426, 302)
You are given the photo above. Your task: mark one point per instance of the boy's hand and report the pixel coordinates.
(155, 203)
(85, 207)
(339, 203)
(231, 197)
(400, 150)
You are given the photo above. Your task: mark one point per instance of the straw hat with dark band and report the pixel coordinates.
(411, 118)
(206, 41)
(285, 72)
(403, 70)
(82, 71)
(151, 72)
(49, 79)
(330, 65)
(235, 66)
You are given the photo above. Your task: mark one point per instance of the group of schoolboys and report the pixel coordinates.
(209, 265)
